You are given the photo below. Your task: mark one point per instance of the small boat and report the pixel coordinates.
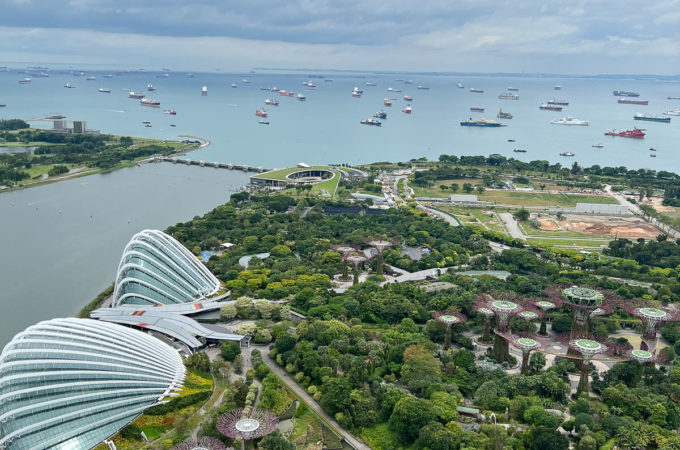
(597, 145)
(408, 81)
(301, 97)
(173, 125)
(672, 112)
(570, 121)
(519, 150)
(135, 95)
(90, 79)
(423, 88)
(233, 85)
(477, 108)
(150, 103)
(557, 87)
(513, 89)
(567, 154)
(25, 81)
(635, 133)
(652, 149)
(164, 75)
(69, 86)
(652, 155)
(508, 96)
(105, 90)
(311, 85)
(145, 122)
(271, 102)
(108, 76)
(625, 94)
(387, 102)
(374, 122)
(380, 115)
(632, 102)
(171, 112)
(408, 98)
(460, 86)
(263, 122)
(148, 125)
(204, 91)
(407, 110)
(475, 90)
(503, 115)
(2, 105)
(548, 107)
(393, 90)
(245, 81)
(356, 94)
(357, 90)
(558, 102)
(650, 118)
(261, 113)
(283, 93)
(149, 87)
(511, 140)
(480, 123)
(673, 98)
(368, 83)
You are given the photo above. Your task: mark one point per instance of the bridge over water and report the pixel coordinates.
(217, 165)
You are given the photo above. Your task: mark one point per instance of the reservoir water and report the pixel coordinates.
(61, 243)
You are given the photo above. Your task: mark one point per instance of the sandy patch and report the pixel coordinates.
(656, 203)
(638, 230)
(547, 225)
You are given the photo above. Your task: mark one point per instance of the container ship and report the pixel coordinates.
(634, 133)
(549, 107)
(480, 123)
(558, 102)
(651, 118)
(150, 103)
(625, 94)
(633, 102)
(135, 95)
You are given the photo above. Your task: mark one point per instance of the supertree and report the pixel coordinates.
(529, 315)
(380, 245)
(504, 306)
(344, 250)
(587, 348)
(642, 356)
(357, 260)
(545, 305)
(488, 314)
(201, 443)
(236, 424)
(449, 318)
(651, 318)
(526, 345)
(582, 302)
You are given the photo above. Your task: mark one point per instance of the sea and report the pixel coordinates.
(60, 243)
(326, 128)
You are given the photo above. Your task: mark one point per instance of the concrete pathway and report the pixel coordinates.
(511, 224)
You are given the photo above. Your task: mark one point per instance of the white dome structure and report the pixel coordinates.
(157, 270)
(71, 383)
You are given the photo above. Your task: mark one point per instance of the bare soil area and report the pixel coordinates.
(605, 226)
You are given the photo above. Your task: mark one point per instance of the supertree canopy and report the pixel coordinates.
(641, 356)
(449, 318)
(546, 305)
(651, 318)
(201, 443)
(526, 345)
(504, 306)
(488, 314)
(357, 260)
(587, 348)
(237, 425)
(583, 302)
(344, 250)
(529, 315)
(380, 245)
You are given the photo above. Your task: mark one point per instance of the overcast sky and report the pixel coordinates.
(574, 37)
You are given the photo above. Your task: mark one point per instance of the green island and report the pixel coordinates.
(56, 156)
(350, 313)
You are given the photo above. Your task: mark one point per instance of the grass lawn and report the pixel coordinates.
(152, 433)
(281, 174)
(380, 437)
(570, 243)
(435, 191)
(536, 199)
(307, 428)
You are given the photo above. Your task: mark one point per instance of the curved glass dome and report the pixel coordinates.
(157, 270)
(71, 383)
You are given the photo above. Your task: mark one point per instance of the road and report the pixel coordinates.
(442, 215)
(299, 391)
(512, 226)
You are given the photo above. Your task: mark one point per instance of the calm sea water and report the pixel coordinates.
(61, 243)
(326, 127)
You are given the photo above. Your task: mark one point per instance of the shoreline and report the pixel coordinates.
(94, 171)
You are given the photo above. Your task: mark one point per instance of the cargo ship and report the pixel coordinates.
(633, 102)
(301, 97)
(672, 112)
(557, 87)
(503, 115)
(476, 109)
(549, 107)
(261, 113)
(387, 102)
(69, 86)
(171, 112)
(423, 88)
(558, 102)
(150, 88)
(513, 89)
(380, 115)
(625, 94)
(135, 95)
(480, 123)
(204, 91)
(271, 102)
(105, 90)
(408, 98)
(634, 133)
(374, 122)
(570, 121)
(25, 81)
(651, 118)
(508, 96)
(150, 103)
(407, 110)
(478, 91)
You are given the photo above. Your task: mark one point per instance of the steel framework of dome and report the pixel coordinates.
(236, 425)
(156, 269)
(71, 383)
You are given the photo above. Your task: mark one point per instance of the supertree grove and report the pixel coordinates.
(344, 251)
(651, 318)
(504, 306)
(201, 443)
(357, 260)
(238, 424)
(545, 305)
(449, 318)
(380, 245)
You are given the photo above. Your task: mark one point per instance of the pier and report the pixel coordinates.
(216, 165)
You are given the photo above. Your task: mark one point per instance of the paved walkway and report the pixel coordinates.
(349, 437)
(512, 226)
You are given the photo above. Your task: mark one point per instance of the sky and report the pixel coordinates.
(547, 36)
